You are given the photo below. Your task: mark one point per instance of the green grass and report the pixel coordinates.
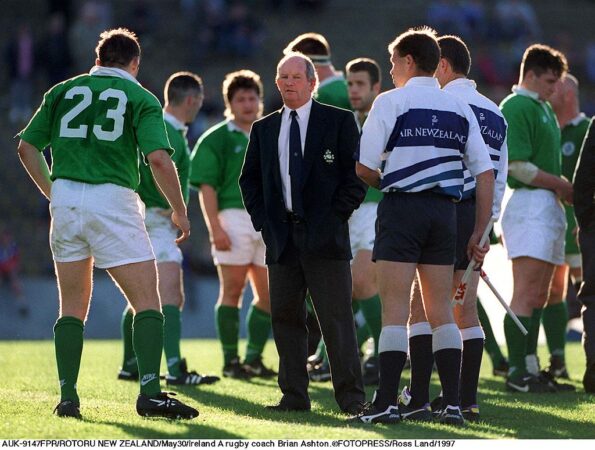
(234, 409)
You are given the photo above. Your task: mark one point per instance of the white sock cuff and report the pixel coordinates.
(472, 333)
(419, 329)
(446, 336)
(393, 338)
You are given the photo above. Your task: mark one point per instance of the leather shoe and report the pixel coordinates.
(284, 406)
(354, 408)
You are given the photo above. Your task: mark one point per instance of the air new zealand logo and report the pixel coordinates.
(432, 132)
(485, 130)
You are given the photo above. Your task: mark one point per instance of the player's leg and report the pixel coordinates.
(531, 280)
(499, 362)
(75, 285)
(555, 321)
(472, 335)
(232, 280)
(172, 300)
(365, 294)
(435, 281)
(420, 354)
(129, 369)
(258, 322)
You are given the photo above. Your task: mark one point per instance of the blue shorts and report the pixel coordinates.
(418, 227)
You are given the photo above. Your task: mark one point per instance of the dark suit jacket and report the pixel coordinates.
(330, 188)
(584, 183)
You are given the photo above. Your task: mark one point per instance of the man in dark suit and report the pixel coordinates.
(299, 187)
(584, 209)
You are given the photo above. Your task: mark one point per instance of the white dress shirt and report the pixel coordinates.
(303, 115)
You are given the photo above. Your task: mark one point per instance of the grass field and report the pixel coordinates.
(234, 409)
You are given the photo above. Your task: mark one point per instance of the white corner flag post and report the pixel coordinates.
(459, 297)
(512, 315)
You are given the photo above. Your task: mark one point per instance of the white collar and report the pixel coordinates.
(423, 81)
(517, 89)
(302, 111)
(103, 71)
(232, 126)
(175, 122)
(578, 119)
(460, 82)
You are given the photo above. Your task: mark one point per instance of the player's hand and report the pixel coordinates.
(182, 222)
(564, 191)
(474, 251)
(220, 240)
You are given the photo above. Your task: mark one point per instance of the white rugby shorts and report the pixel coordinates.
(247, 246)
(534, 225)
(362, 227)
(104, 221)
(163, 234)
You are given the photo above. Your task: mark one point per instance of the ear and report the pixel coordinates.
(97, 62)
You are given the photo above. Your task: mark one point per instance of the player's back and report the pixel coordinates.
(96, 123)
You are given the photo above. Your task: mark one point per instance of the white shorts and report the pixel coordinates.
(534, 225)
(104, 221)
(247, 246)
(163, 234)
(362, 227)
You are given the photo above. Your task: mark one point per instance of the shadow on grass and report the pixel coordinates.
(192, 430)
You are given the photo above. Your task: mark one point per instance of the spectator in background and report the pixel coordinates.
(9, 267)
(445, 16)
(55, 50)
(516, 20)
(240, 34)
(20, 61)
(93, 18)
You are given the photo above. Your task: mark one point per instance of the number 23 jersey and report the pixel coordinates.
(98, 125)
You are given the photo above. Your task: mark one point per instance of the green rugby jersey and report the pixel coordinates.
(373, 195)
(96, 124)
(573, 135)
(533, 133)
(217, 160)
(333, 91)
(147, 189)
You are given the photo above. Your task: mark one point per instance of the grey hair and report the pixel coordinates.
(310, 70)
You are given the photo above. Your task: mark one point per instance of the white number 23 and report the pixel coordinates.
(116, 114)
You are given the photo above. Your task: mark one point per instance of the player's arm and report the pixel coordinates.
(478, 161)
(36, 167)
(371, 145)
(528, 173)
(166, 178)
(210, 210)
(368, 176)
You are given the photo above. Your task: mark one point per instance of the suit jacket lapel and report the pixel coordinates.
(314, 135)
(272, 144)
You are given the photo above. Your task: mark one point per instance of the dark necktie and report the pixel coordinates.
(295, 165)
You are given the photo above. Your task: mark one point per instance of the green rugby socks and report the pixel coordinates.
(516, 342)
(227, 322)
(371, 308)
(129, 358)
(533, 329)
(172, 333)
(68, 341)
(491, 345)
(258, 324)
(147, 338)
(555, 319)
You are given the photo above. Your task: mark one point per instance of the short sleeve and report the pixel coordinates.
(38, 130)
(518, 136)
(375, 134)
(149, 126)
(206, 166)
(477, 157)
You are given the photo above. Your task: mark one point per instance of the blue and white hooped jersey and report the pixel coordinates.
(493, 130)
(419, 136)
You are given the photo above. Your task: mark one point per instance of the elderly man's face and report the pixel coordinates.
(293, 84)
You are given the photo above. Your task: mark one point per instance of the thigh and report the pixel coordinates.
(436, 283)
(138, 282)
(465, 226)
(75, 281)
(363, 273)
(531, 281)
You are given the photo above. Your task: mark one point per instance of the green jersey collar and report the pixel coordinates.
(103, 71)
(519, 90)
(174, 122)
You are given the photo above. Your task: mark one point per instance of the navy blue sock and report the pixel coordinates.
(391, 365)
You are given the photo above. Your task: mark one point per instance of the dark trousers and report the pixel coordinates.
(329, 283)
(586, 294)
